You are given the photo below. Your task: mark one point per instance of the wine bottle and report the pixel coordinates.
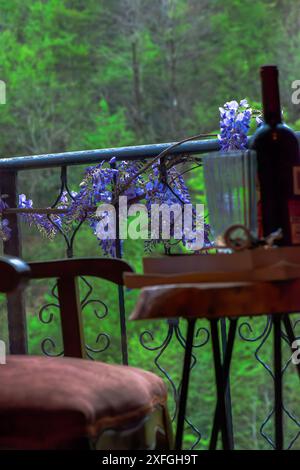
(278, 165)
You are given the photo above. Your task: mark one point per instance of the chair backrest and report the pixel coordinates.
(66, 272)
(15, 272)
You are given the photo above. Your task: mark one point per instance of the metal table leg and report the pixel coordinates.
(225, 373)
(185, 383)
(222, 375)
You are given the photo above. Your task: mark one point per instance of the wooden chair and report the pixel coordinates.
(70, 402)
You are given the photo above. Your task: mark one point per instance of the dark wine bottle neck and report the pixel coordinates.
(270, 96)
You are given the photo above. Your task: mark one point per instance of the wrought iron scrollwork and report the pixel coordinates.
(48, 344)
(263, 337)
(174, 332)
(69, 238)
(288, 413)
(48, 341)
(103, 338)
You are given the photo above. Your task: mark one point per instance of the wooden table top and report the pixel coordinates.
(216, 300)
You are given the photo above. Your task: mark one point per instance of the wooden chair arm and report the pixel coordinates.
(13, 273)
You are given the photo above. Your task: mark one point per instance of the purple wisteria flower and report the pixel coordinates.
(101, 185)
(5, 230)
(234, 125)
(41, 221)
(3, 204)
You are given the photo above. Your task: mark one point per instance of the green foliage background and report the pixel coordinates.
(95, 73)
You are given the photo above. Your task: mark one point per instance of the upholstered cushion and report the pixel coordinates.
(50, 402)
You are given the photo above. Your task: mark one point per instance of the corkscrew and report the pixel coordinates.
(238, 238)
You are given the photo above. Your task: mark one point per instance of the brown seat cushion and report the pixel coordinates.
(48, 402)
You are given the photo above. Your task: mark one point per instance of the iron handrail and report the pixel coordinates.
(82, 157)
(137, 152)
